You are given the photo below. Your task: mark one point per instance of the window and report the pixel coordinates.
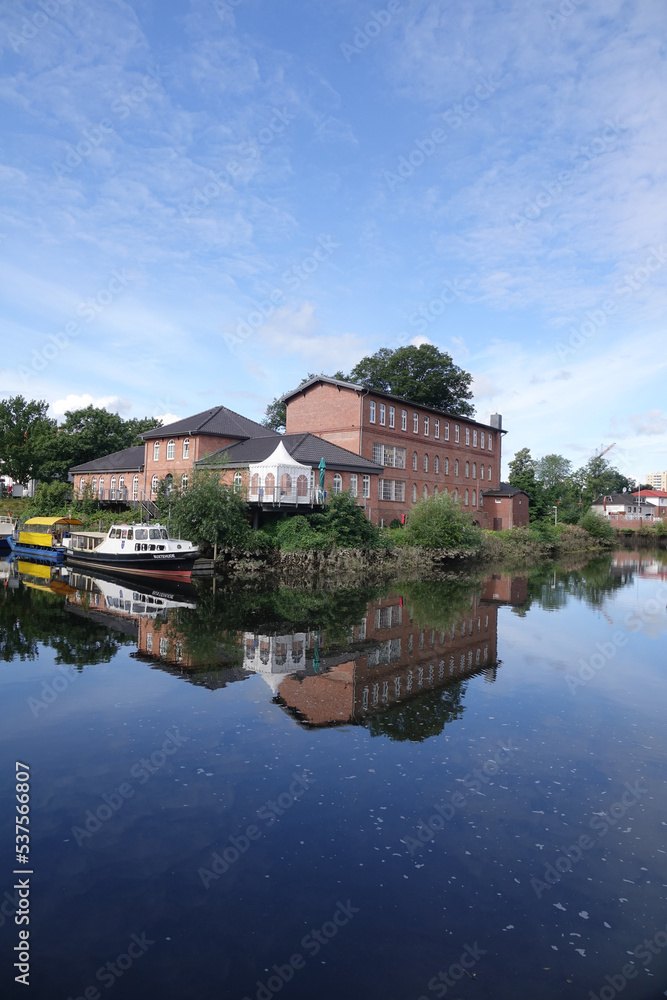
(414, 461)
(184, 483)
(425, 463)
(490, 442)
(456, 433)
(353, 484)
(269, 485)
(474, 470)
(474, 439)
(426, 426)
(382, 413)
(446, 430)
(465, 498)
(425, 491)
(474, 498)
(101, 485)
(113, 487)
(467, 470)
(149, 642)
(481, 439)
(391, 489)
(82, 483)
(121, 486)
(415, 423)
(435, 491)
(338, 483)
(164, 645)
(436, 428)
(186, 447)
(301, 486)
(446, 466)
(387, 454)
(156, 451)
(238, 481)
(481, 472)
(456, 494)
(436, 464)
(371, 415)
(285, 484)
(154, 484)
(169, 482)
(456, 466)
(467, 435)
(94, 485)
(404, 420)
(135, 488)
(171, 449)
(414, 493)
(367, 486)
(392, 416)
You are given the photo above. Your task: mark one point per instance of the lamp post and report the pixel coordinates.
(555, 514)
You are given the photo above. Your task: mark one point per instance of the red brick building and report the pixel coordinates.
(506, 507)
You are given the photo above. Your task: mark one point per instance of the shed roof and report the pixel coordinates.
(505, 490)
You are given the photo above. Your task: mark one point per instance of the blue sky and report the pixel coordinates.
(201, 202)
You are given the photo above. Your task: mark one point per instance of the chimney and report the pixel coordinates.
(496, 421)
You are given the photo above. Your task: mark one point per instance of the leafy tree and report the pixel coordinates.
(522, 477)
(347, 524)
(419, 718)
(50, 500)
(211, 512)
(439, 522)
(552, 470)
(421, 374)
(24, 426)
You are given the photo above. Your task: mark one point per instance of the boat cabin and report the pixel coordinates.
(47, 532)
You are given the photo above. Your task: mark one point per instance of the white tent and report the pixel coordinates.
(274, 657)
(281, 479)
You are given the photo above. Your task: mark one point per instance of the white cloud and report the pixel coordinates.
(115, 404)
(167, 418)
(653, 422)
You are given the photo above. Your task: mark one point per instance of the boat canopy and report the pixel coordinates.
(50, 521)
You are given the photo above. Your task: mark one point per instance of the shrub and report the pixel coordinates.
(297, 533)
(347, 525)
(439, 522)
(596, 526)
(50, 500)
(395, 523)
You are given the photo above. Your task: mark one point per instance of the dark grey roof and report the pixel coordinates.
(305, 448)
(218, 421)
(127, 460)
(613, 498)
(385, 395)
(505, 490)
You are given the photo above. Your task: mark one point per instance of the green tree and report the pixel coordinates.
(522, 477)
(421, 374)
(86, 434)
(597, 526)
(210, 512)
(24, 427)
(439, 522)
(552, 470)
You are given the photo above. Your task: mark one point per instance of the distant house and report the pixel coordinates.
(657, 498)
(617, 506)
(506, 507)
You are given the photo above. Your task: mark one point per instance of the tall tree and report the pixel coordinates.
(24, 426)
(421, 374)
(553, 470)
(522, 477)
(87, 434)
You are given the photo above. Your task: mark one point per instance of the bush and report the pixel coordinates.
(347, 525)
(596, 526)
(50, 500)
(395, 523)
(439, 522)
(297, 533)
(210, 512)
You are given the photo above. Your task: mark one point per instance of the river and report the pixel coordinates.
(437, 789)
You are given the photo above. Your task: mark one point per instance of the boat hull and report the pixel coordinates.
(159, 565)
(53, 555)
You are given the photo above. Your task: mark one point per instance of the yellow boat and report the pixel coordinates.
(43, 537)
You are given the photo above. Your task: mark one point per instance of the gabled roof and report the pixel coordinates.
(651, 493)
(127, 460)
(218, 421)
(614, 498)
(505, 490)
(307, 449)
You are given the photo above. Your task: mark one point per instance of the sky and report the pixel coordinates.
(202, 202)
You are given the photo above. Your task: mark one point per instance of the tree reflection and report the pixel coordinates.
(421, 717)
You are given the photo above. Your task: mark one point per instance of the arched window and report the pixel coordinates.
(156, 451)
(154, 482)
(186, 447)
(456, 466)
(171, 449)
(481, 472)
(101, 486)
(238, 481)
(446, 466)
(169, 483)
(184, 482)
(474, 470)
(445, 489)
(474, 498)
(435, 491)
(94, 484)
(254, 484)
(425, 463)
(436, 464)
(286, 484)
(414, 461)
(414, 493)
(425, 491)
(113, 487)
(302, 486)
(121, 487)
(456, 494)
(337, 483)
(465, 498)
(269, 484)
(82, 483)
(467, 470)
(135, 487)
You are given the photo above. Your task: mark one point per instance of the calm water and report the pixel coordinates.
(432, 790)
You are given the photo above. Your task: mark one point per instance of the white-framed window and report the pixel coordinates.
(101, 485)
(367, 486)
(391, 489)
(456, 466)
(337, 483)
(474, 498)
(154, 484)
(425, 491)
(149, 642)
(392, 416)
(474, 438)
(82, 483)
(135, 487)
(446, 466)
(435, 491)
(156, 451)
(467, 435)
(414, 493)
(171, 450)
(415, 423)
(404, 420)
(121, 485)
(425, 463)
(490, 442)
(474, 470)
(184, 482)
(383, 412)
(113, 487)
(436, 464)
(238, 481)
(481, 439)
(446, 430)
(465, 498)
(164, 646)
(436, 428)
(467, 470)
(414, 461)
(481, 472)
(389, 455)
(427, 424)
(94, 485)
(371, 412)
(186, 447)
(456, 493)
(353, 484)
(457, 432)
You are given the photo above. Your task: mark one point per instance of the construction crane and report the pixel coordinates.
(613, 445)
